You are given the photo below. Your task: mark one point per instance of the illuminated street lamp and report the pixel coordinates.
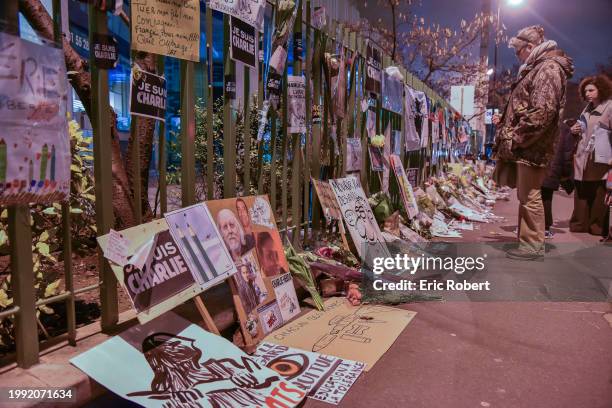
(511, 3)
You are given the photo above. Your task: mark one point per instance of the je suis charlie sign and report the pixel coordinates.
(148, 96)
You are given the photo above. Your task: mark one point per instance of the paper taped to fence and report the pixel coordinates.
(34, 142)
(250, 11)
(360, 333)
(323, 377)
(162, 365)
(167, 27)
(296, 94)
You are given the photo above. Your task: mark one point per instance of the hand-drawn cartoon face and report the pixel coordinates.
(361, 219)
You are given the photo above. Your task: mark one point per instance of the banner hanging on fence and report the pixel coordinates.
(167, 27)
(250, 11)
(171, 363)
(296, 93)
(106, 51)
(374, 69)
(243, 42)
(34, 143)
(148, 94)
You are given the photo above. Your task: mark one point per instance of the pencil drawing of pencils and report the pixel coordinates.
(196, 261)
(194, 237)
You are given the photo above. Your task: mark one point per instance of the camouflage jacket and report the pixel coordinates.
(529, 127)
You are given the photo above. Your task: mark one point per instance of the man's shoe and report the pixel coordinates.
(523, 255)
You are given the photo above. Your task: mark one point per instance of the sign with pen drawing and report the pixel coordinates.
(359, 333)
(167, 27)
(148, 94)
(34, 143)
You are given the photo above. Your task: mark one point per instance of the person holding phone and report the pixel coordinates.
(590, 170)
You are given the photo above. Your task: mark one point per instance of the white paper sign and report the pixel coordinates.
(118, 248)
(249, 11)
(296, 93)
(286, 296)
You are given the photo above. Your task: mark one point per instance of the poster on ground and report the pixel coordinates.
(322, 377)
(34, 143)
(167, 27)
(148, 94)
(405, 187)
(248, 229)
(360, 333)
(201, 244)
(249, 11)
(172, 363)
(359, 219)
(296, 94)
(353, 158)
(327, 199)
(373, 68)
(156, 277)
(243, 42)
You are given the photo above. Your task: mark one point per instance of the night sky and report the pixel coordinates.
(583, 28)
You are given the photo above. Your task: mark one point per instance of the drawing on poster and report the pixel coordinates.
(34, 143)
(167, 27)
(286, 296)
(359, 218)
(408, 198)
(323, 377)
(201, 244)
(270, 317)
(353, 159)
(151, 268)
(190, 367)
(328, 201)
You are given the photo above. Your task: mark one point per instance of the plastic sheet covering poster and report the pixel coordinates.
(323, 377)
(171, 363)
(248, 229)
(327, 199)
(34, 142)
(249, 11)
(156, 276)
(201, 244)
(167, 27)
(405, 187)
(360, 333)
(359, 219)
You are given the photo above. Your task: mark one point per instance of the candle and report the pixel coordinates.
(194, 237)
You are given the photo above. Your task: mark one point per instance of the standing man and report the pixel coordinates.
(528, 131)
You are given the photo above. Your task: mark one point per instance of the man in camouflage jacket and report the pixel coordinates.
(529, 129)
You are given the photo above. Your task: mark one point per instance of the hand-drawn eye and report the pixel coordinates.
(289, 366)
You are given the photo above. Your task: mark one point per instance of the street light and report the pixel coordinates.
(512, 3)
(515, 3)
(490, 71)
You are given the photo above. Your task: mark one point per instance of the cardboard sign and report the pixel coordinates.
(169, 363)
(373, 69)
(286, 296)
(413, 176)
(167, 27)
(377, 162)
(322, 377)
(251, 11)
(359, 333)
(248, 229)
(327, 199)
(296, 94)
(34, 143)
(161, 291)
(353, 159)
(410, 204)
(148, 94)
(201, 244)
(359, 218)
(106, 51)
(243, 42)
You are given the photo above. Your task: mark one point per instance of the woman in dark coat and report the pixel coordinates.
(560, 173)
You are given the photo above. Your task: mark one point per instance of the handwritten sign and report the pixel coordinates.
(34, 142)
(167, 27)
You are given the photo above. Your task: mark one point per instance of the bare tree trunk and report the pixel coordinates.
(41, 21)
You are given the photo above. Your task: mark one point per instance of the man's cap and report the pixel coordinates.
(529, 35)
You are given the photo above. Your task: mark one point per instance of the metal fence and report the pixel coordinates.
(297, 157)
